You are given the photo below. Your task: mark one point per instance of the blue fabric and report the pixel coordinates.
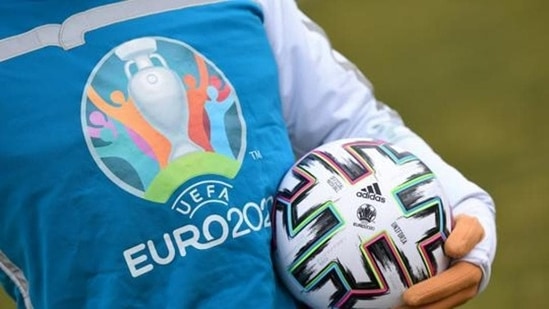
(94, 211)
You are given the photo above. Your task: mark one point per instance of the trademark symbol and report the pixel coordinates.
(256, 154)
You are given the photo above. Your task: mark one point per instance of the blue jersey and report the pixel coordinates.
(141, 145)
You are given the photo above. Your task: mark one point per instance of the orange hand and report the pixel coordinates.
(459, 283)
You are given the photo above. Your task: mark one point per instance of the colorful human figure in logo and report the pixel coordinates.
(224, 89)
(196, 97)
(120, 144)
(216, 113)
(124, 111)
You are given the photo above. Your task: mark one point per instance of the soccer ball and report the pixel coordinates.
(356, 222)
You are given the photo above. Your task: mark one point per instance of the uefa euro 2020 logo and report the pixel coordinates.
(156, 113)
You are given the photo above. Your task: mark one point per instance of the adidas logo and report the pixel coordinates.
(371, 192)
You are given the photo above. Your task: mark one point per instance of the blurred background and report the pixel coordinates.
(472, 78)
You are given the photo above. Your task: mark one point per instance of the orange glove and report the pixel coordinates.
(459, 283)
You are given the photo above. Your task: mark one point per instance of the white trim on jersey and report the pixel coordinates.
(17, 277)
(71, 32)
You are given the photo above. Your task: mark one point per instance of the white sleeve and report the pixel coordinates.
(326, 98)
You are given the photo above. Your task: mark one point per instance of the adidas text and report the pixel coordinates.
(371, 196)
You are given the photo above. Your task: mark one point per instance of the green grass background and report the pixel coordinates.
(471, 77)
